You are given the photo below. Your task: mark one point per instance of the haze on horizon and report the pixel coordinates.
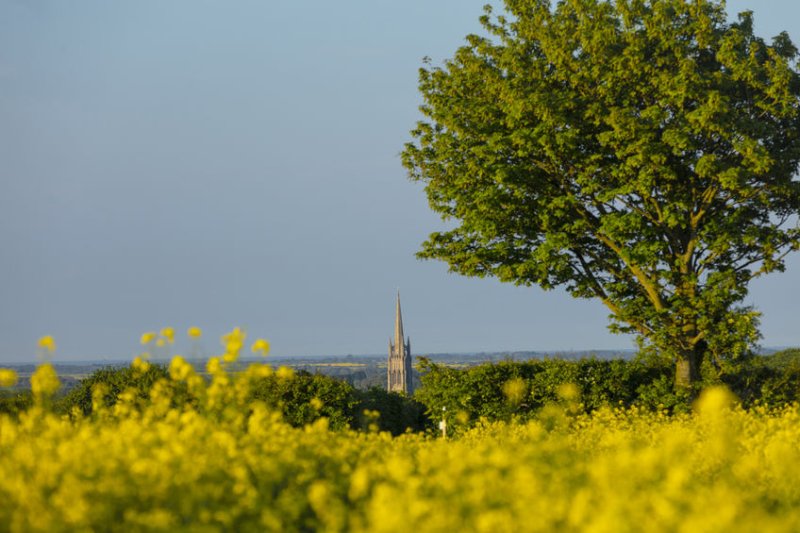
(236, 164)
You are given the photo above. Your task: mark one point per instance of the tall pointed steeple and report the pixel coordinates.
(398, 323)
(398, 371)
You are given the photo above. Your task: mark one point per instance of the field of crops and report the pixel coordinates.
(211, 461)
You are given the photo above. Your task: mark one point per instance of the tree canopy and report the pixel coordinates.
(641, 152)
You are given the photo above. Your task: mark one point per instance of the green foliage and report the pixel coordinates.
(302, 399)
(769, 380)
(639, 152)
(114, 382)
(512, 390)
(14, 402)
(661, 395)
(789, 358)
(507, 391)
(522, 391)
(307, 397)
(397, 413)
(292, 397)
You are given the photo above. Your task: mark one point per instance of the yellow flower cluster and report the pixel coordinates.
(168, 334)
(233, 343)
(261, 347)
(8, 378)
(45, 382)
(200, 456)
(47, 343)
(162, 338)
(148, 337)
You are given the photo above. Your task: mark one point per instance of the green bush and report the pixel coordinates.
(397, 413)
(660, 395)
(301, 399)
(116, 380)
(307, 397)
(518, 390)
(772, 379)
(14, 402)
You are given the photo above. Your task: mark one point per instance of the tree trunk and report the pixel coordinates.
(687, 367)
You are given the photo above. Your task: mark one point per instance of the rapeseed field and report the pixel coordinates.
(207, 459)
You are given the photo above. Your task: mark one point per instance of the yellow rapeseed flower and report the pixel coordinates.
(258, 371)
(47, 343)
(515, 390)
(8, 378)
(233, 343)
(169, 461)
(194, 332)
(261, 346)
(213, 366)
(148, 337)
(284, 372)
(140, 365)
(568, 391)
(715, 400)
(44, 381)
(180, 369)
(168, 334)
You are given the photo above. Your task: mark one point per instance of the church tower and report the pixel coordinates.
(398, 372)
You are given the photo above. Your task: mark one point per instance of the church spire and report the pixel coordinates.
(399, 339)
(399, 372)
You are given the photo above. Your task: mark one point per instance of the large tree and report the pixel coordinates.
(642, 152)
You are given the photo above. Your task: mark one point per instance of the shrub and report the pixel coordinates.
(772, 379)
(307, 397)
(397, 413)
(114, 380)
(14, 402)
(518, 390)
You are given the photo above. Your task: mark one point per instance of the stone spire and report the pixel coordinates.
(398, 323)
(398, 371)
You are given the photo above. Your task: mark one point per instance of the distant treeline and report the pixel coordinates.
(504, 390)
(302, 399)
(511, 390)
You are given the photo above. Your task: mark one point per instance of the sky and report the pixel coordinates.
(220, 164)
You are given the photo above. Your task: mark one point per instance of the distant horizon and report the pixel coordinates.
(763, 350)
(251, 358)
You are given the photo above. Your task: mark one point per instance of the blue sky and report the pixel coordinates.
(221, 164)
